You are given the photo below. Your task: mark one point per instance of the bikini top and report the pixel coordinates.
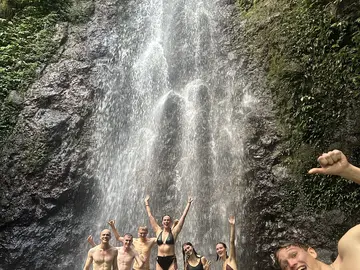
(169, 240)
(199, 266)
(228, 267)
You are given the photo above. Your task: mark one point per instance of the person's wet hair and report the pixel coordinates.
(143, 228)
(224, 245)
(129, 234)
(183, 251)
(166, 216)
(283, 245)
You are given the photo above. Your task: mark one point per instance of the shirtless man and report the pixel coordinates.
(126, 254)
(102, 256)
(298, 256)
(142, 245)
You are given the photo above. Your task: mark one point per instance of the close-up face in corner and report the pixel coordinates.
(296, 258)
(166, 221)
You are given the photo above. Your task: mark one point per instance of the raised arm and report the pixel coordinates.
(116, 233)
(335, 163)
(178, 227)
(175, 222)
(90, 240)
(232, 238)
(206, 263)
(154, 225)
(89, 261)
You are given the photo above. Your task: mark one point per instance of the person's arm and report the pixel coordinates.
(178, 227)
(140, 259)
(153, 241)
(176, 221)
(90, 240)
(116, 233)
(89, 260)
(206, 263)
(114, 263)
(232, 238)
(336, 163)
(154, 225)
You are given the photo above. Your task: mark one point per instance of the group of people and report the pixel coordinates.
(135, 253)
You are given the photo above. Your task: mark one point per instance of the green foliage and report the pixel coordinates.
(25, 46)
(246, 5)
(81, 11)
(311, 50)
(10, 7)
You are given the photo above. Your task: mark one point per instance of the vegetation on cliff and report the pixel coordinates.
(311, 53)
(26, 45)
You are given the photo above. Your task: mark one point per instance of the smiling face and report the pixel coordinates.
(221, 251)
(188, 249)
(127, 241)
(296, 258)
(166, 221)
(105, 236)
(142, 233)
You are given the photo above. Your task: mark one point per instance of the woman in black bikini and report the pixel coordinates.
(166, 237)
(193, 261)
(229, 261)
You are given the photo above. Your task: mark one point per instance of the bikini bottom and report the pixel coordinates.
(166, 261)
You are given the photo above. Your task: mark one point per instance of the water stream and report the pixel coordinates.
(169, 123)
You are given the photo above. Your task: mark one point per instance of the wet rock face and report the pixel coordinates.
(47, 188)
(46, 184)
(271, 215)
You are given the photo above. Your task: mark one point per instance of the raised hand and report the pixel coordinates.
(90, 240)
(112, 223)
(232, 220)
(332, 163)
(147, 198)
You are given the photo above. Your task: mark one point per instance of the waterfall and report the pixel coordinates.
(169, 121)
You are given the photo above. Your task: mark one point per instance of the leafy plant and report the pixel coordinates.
(25, 45)
(311, 50)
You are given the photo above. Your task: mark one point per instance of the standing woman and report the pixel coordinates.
(221, 249)
(166, 237)
(193, 261)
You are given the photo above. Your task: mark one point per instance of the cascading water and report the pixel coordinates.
(169, 123)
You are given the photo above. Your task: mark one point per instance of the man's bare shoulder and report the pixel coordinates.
(349, 248)
(151, 240)
(349, 240)
(98, 248)
(93, 249)
(148, 241)
(353, 233)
